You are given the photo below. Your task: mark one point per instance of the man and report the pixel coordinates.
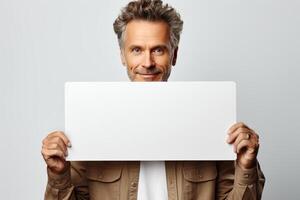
(148, 34)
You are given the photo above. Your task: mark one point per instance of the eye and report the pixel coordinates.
(136, 50)
(158, 51)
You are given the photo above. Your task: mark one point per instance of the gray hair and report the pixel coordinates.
(149, 10)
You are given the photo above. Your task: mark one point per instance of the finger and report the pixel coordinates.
(236, 126)
(51, 153)
(62, 136)
(57, 146)
(245, 144)
(57, 140)
(255, 135)
(241, 136)
(232, 137)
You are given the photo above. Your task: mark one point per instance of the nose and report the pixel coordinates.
(148, 60)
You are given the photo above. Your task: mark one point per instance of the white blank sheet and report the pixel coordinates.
(149, 120)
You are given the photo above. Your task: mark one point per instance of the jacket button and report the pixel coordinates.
(133, 184)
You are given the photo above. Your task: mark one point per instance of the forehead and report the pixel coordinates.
(146, 32)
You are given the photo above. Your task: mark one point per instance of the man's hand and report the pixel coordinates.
(54, 151)
(245, 144)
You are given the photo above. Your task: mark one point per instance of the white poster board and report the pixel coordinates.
(149, 120)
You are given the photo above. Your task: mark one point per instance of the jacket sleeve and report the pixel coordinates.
(237, 183)
(72, 185)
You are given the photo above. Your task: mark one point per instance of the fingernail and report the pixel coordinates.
(227, 139)
(69, 144)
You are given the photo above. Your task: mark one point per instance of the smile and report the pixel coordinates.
(148, 75)
(152, 74)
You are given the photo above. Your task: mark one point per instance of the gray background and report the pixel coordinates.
(45, 43)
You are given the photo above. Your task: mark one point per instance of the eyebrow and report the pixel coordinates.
(163, 46)
(134, 46)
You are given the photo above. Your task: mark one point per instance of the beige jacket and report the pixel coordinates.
(186, 180)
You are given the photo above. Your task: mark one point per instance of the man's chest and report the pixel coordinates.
(120, 180)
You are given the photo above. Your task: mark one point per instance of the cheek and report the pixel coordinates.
(133, 61)
(164, 63)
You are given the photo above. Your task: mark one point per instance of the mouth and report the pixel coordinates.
(149, 75)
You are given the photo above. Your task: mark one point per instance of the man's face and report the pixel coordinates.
(147, 51)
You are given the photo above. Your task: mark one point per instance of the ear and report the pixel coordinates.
(122, 57)
(174, 56)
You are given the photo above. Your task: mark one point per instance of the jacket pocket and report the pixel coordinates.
(106, 172)
(199, 171)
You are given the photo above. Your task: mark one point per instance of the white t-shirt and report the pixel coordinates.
(152, 181)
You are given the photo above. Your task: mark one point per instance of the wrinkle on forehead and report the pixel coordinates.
(146, 33)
